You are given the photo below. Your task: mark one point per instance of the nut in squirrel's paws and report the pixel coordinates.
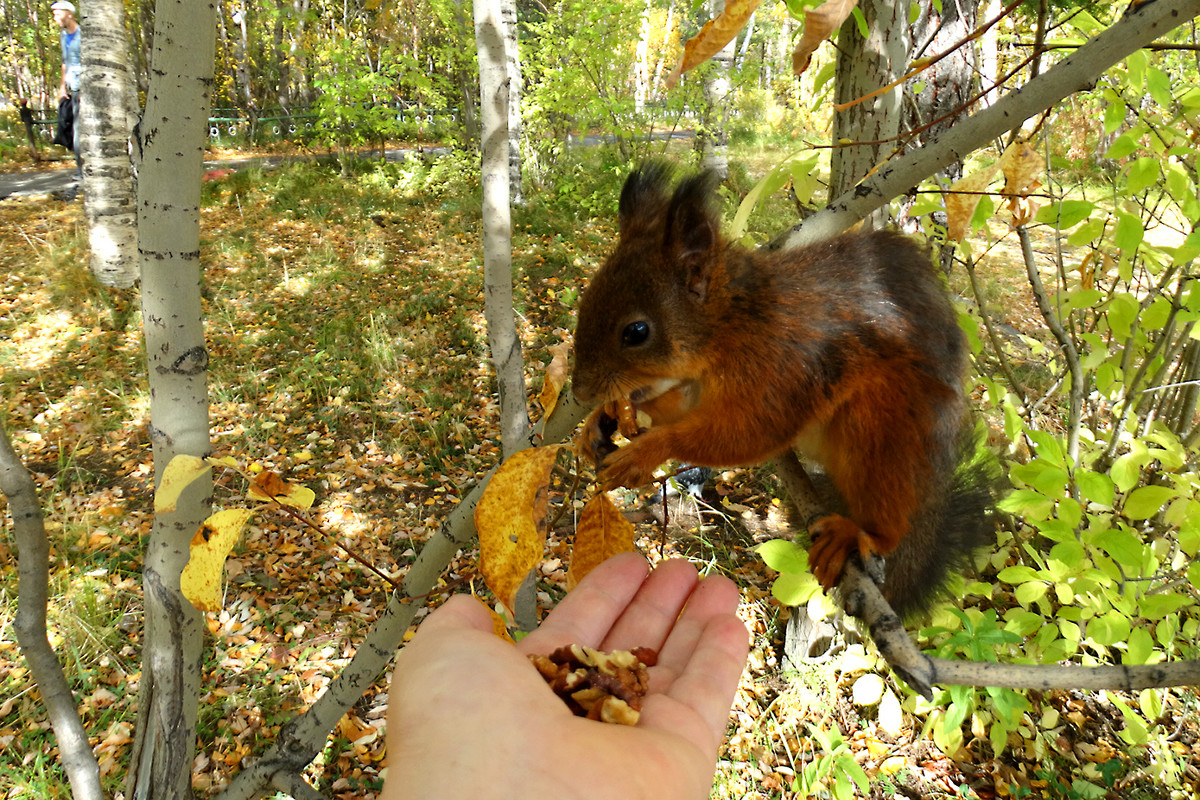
(835, 538)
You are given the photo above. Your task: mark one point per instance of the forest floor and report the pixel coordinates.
(348, 353)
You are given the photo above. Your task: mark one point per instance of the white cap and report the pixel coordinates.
(63, 5)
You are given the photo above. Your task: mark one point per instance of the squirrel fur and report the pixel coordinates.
(848, 349)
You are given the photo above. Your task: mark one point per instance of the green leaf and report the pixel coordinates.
(1145, 501)
(1109, 629)
(1066, 214)
(783, 555)
(1159, 85)
(1096, 487)
(1122, 146)
(1141, 174)
(1139, 647)
(1125, 548)
(794, 590)
(1158, 606)
(1027, 503)
(1114, 117)
(1122, 313)
(1130, 232)
(1018, 573)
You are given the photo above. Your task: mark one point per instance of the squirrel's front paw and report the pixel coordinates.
(625, 467)
(595, 441)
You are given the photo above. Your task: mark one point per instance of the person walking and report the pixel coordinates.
(71, 38)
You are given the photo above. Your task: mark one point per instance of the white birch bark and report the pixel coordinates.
(867, 130)
(505, 344)
(714, 138)
(512, 69)
(170, 149)
(107, 111)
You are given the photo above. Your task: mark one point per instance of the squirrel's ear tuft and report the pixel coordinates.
(644, 197)
(692, 232)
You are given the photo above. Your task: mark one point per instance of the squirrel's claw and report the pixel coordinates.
(834, 538)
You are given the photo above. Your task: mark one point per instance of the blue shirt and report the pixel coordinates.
(72, 56)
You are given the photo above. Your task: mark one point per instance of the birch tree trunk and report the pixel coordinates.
(505, 345)
(170, 148)
(864, 65)
(713, 140)
(107, 110)
(512, 69)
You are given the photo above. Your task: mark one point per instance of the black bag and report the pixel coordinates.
(64, 127)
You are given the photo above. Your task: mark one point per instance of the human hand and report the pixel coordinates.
(470, 717)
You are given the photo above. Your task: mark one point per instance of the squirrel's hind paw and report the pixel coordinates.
(834, 538)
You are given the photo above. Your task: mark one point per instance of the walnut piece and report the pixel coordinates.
(606, 686)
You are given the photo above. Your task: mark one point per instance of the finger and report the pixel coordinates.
(712, 597)
(588, 612)
(654, 611)
(698, 702)
(461, 611)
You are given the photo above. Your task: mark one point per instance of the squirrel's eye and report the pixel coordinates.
(635, 333)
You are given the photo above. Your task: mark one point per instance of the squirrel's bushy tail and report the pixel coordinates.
(946, 530)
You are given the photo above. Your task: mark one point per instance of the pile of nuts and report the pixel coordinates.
(604, 686)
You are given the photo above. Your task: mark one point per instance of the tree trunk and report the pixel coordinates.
(713, 140)
(512, 68)
(33, 593)
(948, 85)
(170, 142)
(107, 111)
(641, 69)
(866, 131)
(490, 39)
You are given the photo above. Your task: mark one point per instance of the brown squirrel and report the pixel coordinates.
(848, 349)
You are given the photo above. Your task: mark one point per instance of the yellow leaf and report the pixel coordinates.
(180, 472)
(556, 376)
(268, 486)
(963, 198)
(499, 624)
(715, 34)
(819, 24)
(201, 578)
(602, 532)
(511, 517)
(224, 461)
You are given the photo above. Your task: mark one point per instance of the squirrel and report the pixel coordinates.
(848, 349)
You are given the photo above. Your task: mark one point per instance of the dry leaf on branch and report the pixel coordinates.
(511, 520)
(201, 579)
(556, 377)
(602, 532)
(715, 34)
(819, 24)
